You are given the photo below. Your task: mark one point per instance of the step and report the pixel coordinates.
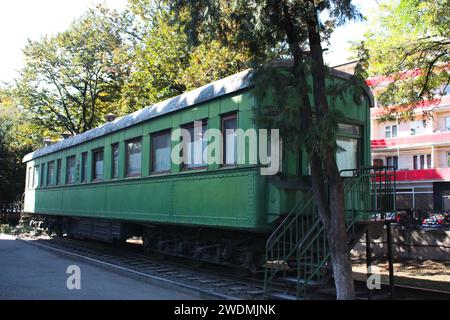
(293, 265)
(283, 296)
(310, 283)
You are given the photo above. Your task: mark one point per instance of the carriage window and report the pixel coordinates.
(50, 173)
(161, 152)
(229, 126)
(115, 161)
(36, 176)
(133, 158)
(97, 169)
(30, 177)
(70, 170)
(83, 166)
(194, 147)
(347, 154)
(58, 171)
(42, 175)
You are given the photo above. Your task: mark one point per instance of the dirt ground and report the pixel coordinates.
(424, 273)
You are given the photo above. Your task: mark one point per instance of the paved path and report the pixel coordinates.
(27, 272)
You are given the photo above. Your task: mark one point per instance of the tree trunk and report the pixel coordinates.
(338, 244)
(324, 170)
(332, 213)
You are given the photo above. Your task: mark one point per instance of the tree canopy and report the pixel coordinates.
(74, 78)
(409, 46)
(18, 136)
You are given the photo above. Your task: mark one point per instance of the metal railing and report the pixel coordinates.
(301, 237)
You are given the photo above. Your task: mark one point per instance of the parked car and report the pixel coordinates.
(436, 220)
(402, 218)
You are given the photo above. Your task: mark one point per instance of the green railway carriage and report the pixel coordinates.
(117, 180)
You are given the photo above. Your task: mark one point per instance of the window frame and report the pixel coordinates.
(152, 151)
(411, 128)
(390, 129)
(35, 176)
(50, 180)
(447, 127)
(392, 161)
(67, 169)
(93, 164)
(58, 172)
(30, 177)
(84, 167)
(226, 117)
(377, 162)
(136, 139)
(43, 175)
(417, 160)
(184, 166)
(113, 146)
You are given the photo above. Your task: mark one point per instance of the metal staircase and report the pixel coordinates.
(297, 251)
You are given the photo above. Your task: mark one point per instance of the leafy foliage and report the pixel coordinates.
(166, 60)
(17, 137)
(72, 80)
(409, 45)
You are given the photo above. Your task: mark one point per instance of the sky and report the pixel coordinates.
(21, 20)
(338, 52)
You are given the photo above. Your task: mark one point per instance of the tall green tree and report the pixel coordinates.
(18, 136)
(167, 62)
(293, 30)
(409, 45)
(70, 81)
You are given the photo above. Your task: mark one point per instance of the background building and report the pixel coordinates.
(420, 151)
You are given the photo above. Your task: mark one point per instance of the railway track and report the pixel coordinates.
(209, 282)
(212, 282)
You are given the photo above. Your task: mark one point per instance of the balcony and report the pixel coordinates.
(433, 138)
(436, 174)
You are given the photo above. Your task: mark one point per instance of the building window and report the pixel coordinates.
(115, 161)
(97, 168)
(229, 126)
(51, 173)
(377, 162)
(58, 171)
(70, 170)
(390, 131)
(417, 127)
(392, 162)
(133, 158)
(447, 123)
(161, 152)
(36, 176)
(194, 147)
(448, 159)
(84, 167)
(422, 161)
